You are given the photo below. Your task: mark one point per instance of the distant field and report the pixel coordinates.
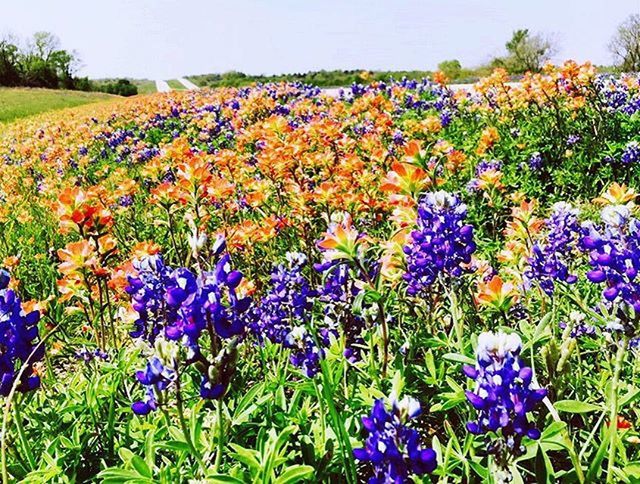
(176, 85)
(16, 103)
(145, 86)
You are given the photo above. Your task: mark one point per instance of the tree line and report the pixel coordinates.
(42, 62)
(525, 51)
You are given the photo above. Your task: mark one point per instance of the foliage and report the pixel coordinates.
(270, 284)
(625, 45)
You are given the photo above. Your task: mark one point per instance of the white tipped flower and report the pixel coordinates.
(497, 346)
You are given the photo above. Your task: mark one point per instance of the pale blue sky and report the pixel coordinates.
(168, 38)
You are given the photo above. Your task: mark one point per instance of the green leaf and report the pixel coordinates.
(116, 476)
(141, 466)
(458, 358)
(248, 457)
(574, 406)
(294, 473)
(540, 466)
(221, 478)
(596, 464)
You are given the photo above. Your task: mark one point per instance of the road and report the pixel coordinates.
(188, 84)
(162, 86)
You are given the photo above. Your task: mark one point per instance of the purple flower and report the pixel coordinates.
(441, 244)
(19, 341)
(182, 306)
(631, 153)
(573, 139)
(504, 394)
(535, 161)
(614, 255)
(392, 447)
(551, 258)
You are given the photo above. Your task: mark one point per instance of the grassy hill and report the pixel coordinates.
(16, 103)
(176, 85)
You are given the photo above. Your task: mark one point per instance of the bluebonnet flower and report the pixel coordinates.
(19, 341)
(631, 153)
(88, 355)
(573, 139)
(441, 244)
(180, 306)
(504, 394)
(535, 161)
(614, 255)
(125, 201)
(550, 259)
(392, 447)
(305, 353)
(287, 303)
(336, 295)
(284, 311)
(156, 377)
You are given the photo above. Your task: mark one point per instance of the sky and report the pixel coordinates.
(164, 39)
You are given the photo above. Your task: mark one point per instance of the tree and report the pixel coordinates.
(451, 68)
(527, 52)
(625, 45)
(9, 62)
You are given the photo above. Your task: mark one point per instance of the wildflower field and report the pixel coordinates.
(270, 284)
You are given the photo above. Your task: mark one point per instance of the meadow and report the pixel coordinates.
(16, 103)
(270, 284)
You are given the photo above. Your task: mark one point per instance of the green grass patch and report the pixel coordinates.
(176, 85)
(16, 103)
(145, 86)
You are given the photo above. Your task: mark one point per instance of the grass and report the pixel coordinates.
(16, 103)
(176, 85)
(145, 86)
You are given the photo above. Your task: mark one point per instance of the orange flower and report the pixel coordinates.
(76, 257)
(341, 240)
(405, 179)
(622, 423)
(496, 293)
(617, 195)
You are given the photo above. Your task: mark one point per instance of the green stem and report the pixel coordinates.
(185, 429)
(613, 408)
(338, 426)
(220, 422)
(7, 406)
(322, 410)
(21, 434)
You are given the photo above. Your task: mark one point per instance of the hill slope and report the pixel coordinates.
(16, 103)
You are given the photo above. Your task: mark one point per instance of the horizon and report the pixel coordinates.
(165, 39)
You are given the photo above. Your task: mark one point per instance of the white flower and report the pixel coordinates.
(615, 216)
(497, 346)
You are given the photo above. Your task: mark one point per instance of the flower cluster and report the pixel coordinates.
(392, 447)
(550, 259)
(18, 341)
(488, 176)
(614, 255)
(284, 311)
(441, 244)
(631, 153)
(504, 394)
(180, 306)
(336, 295)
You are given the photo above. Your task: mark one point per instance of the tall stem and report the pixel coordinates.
(185, 429)
(613, 408)
(220, 423)
(7, 406)
(21, 434)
